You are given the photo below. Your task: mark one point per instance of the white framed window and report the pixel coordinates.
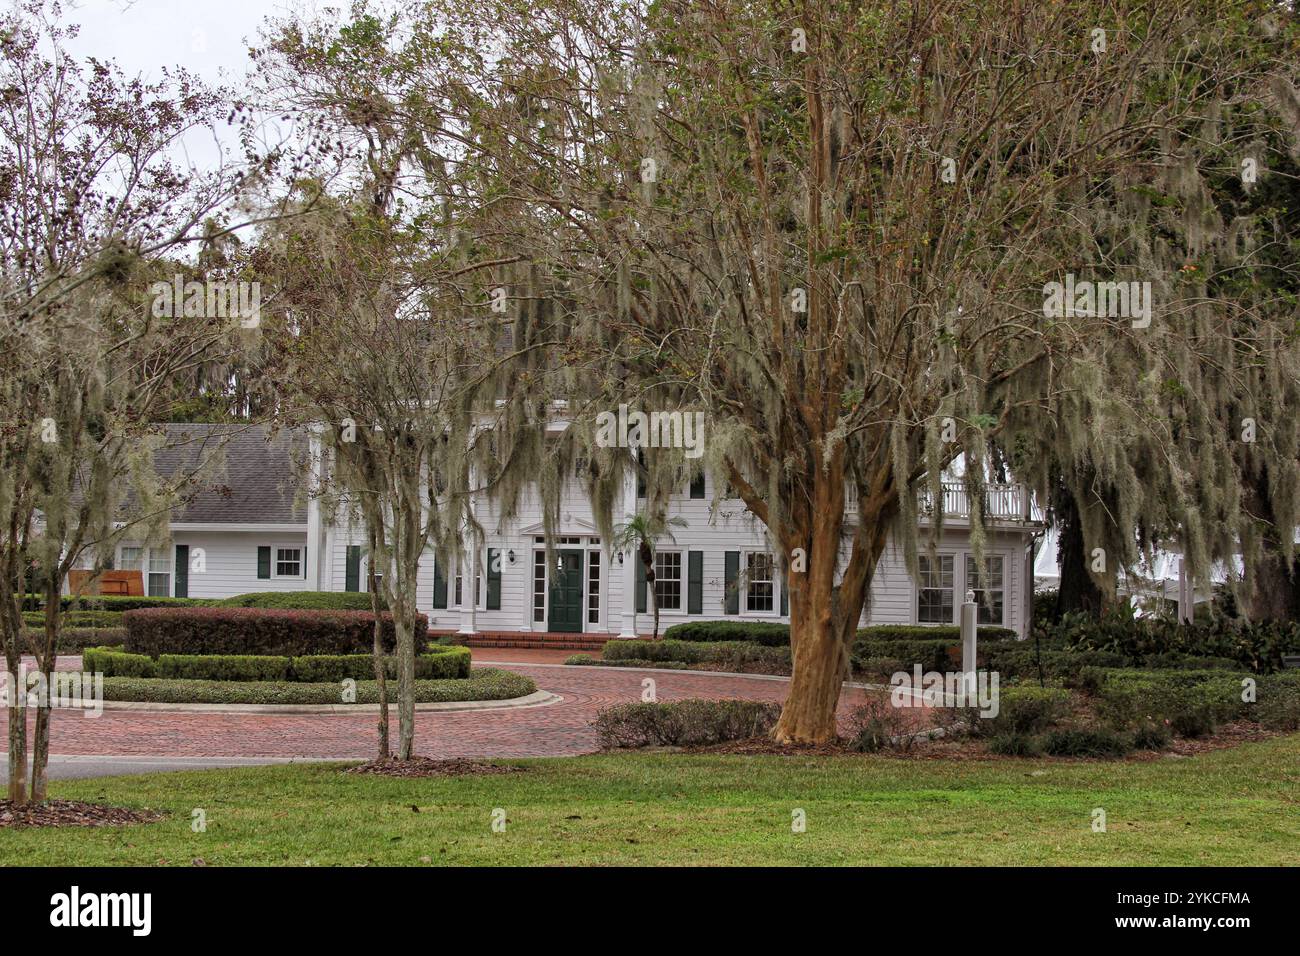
(154, 565)
(934, 589)
(989, 588)
(287, 563)
(160, 573)
(478, 588)
(760, 582)
(539, 586)
(668, 580)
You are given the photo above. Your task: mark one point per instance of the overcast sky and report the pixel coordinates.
(209, 37)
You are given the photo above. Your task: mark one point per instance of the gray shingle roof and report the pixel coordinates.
(255, 480)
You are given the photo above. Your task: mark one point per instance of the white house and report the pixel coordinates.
(249, 532)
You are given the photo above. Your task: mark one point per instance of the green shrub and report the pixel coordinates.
(443, 663)
(756, 632)
(451, 663)
(931, 632)
(304, 600)
(1257, 646)
(729, 655)
(112, 662)
(1278, 704)
(212, 630)
(686, 652)
(1193, 703)
(877, 725)
(36, 619)
(483, 684)
(1028, 710)
(118, 603)
(73, 639)
(1151, 735)
(1085, 742)
(1016, 745)
(683, 723)
(578, 660)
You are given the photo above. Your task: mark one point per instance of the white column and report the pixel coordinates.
(969, 619)
(1186, 600)
(315, 537)
(628, 629)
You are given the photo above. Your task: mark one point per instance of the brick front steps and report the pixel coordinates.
(535, 640)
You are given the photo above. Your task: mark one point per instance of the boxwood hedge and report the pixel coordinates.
(482, 684)
(441, 663)
(240, 630)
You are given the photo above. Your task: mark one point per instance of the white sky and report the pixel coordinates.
(207, 37)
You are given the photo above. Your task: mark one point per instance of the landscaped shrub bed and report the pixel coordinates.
(778, 635)
(304, 600)
(756, 632)
(36, 619)
(739, 656)
(232, 630)
(441, 663)
(482, 684)
(1257, 646)
(683, 723)
(73, 639)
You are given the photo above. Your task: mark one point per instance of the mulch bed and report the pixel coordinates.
(428, 767)
(71, 813)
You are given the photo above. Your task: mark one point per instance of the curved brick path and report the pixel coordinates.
(550, 730)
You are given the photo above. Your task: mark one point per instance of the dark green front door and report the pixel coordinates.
(566, 593)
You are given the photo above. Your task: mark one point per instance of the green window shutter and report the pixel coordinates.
(182, 573)
(695, 582)
(264, 562)
(439, 586)
(352, 576)
(732, 602)
(785, 595)
(697, 486)
(640, 583)
(640, 486)
(494, 579)
(304, 562)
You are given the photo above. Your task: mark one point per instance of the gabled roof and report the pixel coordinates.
(256, 476)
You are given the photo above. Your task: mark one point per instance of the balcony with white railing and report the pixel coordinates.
(1002, 503)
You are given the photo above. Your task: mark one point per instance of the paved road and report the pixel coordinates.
(136, 742)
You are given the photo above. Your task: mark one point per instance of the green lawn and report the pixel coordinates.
(1239, 806)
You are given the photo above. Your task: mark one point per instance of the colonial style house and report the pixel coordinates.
(249, 530)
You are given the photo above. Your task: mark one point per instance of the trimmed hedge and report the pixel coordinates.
(36, 619)
(683, 723)
(483, 684)
(755, 632)
(73, 639)
(734, 655)
(778, 635)
(443, 663)
(303, 600)
(211, 630)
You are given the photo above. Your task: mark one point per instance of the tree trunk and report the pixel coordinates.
(45, 661)
(824, 614)
(1274, 587)
(1078, 591)
(654, 598)
(405, 684)
(381, 677)
(17, 733)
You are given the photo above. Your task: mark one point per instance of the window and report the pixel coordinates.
(668, 580)
(160, 573)
(988, 588)
(155, 565)
(477, 587)
(288, 562)
(934, 590)
(539, 585)
(759, 587)
(593, 587)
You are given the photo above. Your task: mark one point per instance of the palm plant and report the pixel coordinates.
(639, 534)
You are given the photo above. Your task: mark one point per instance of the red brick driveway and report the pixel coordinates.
(550, 730)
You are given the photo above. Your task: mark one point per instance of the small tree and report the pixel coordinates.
(641, 533)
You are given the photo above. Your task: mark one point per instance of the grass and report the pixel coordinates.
(1229, 807)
